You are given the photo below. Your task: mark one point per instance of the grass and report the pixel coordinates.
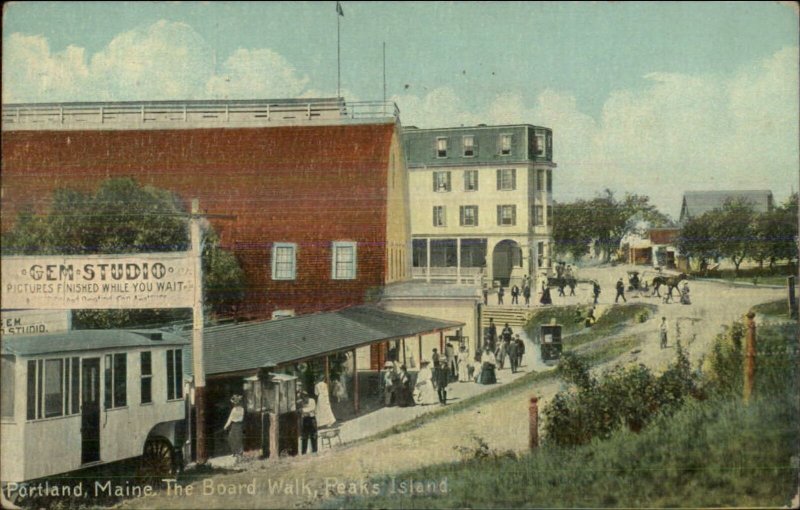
(778, 309)
(575, 334)
(608, 348)
(755, 275)
(718, 452)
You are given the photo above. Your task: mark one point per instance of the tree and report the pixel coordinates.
(570, 228)
(695, 240)
(732, 230)
(124, 217)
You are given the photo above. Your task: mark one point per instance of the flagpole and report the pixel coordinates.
(338, 58)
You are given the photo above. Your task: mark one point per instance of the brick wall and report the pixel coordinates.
(306, 185)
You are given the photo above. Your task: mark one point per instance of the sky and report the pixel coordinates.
(643, 97)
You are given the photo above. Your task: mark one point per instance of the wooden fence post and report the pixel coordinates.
(533, 424)
(750, 357)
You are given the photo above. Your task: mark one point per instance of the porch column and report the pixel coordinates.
(405, 361)
(428, 254)
(441, 341)
(355, 382)
(419, 340)
(327, 372)
(458, 260)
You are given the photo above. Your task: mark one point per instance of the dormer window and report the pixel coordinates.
(469, 146)
(441, 147)
(540, 144)
(505, 145)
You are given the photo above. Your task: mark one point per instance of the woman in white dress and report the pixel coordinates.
(325, 417)
(424, 393)
(463, 365)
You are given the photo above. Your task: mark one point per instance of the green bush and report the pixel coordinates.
(630, 397)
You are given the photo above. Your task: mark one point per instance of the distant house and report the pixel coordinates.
(697, 203)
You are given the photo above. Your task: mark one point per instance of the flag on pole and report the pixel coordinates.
(339, 10)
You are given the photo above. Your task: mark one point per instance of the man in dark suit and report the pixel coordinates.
(515, 295)
(441, 375)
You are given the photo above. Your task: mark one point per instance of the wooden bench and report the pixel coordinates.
(328, 434)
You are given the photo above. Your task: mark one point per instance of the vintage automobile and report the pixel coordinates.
(83, 398)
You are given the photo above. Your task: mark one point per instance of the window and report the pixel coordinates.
(469, 215)
(53, 387)
(344, 261)
(469, 146)
(174, 374)
(284, 261)
(507, 179)
(441, 147)
(7, 373)
(539, 146)
(470, 180)
(538, 215)
(439, 219)
(147, 377)
(505, 145)
(549, 181)
(540, 180)
(441, 181)
(506, 215)
(116, 375)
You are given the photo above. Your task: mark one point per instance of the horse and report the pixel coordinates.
(671, 282)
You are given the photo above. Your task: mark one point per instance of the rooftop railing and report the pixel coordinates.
(53, 115)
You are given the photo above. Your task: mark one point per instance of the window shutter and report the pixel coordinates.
(513, 178)
(461, 215)
(499, 215)
(448, 182)
(513, 214)
(475, 209)
(434, 215)
(499, 179)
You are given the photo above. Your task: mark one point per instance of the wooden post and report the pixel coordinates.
(197, 335)
(750, 357)
(355, 382)
(328, 372)
(274, 446)
(419, 341)
(404, 352)
(792, 298)
(441, 342)
(533, 424)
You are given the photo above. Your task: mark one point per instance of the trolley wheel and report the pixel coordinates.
(158, 460)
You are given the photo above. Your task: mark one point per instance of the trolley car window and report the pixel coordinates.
(31, 390)
(147, 377)
(53, 388)
(174, 374)
(7, 373)
(115, 378)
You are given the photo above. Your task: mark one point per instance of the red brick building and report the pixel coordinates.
(319, 195)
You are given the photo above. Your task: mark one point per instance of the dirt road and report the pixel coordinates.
(502, 423)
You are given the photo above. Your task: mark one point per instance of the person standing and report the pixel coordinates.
(325, 417)
(526, 292)
(515, 295)
(620, 291)
(485, 295)
(596, 291)
(308, 428)
(463, 364)
(405, 394)
(520, 350)
(441, 375)
(492, 333)
(500, 294)
(424, 392)
(508, 333)
(663, 332)
(488, 364)
(234, 426)
(387, 381)
(450, 357)
(513, 358)
(546, 299)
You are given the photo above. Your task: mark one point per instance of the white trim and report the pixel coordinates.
(334, 252)
(275, 247)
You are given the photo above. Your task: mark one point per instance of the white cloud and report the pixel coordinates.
(165, 60)
(678, 132)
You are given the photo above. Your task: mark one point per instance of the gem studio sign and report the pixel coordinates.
(153, 280)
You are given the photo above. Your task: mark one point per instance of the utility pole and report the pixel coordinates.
(750, 357)
(198, 368)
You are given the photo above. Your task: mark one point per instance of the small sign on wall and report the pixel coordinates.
(34, 322)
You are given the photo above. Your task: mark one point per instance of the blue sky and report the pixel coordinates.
(671, 96)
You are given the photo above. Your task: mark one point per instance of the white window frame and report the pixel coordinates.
(541, 147)
(470, 146)
(505, 150)
(538, 215)
(175, 385)
(143, 377)
(442, 186)
(467, 173)
(441, 147)
(512, 218)
(511, 173)
(442, 217)
(334, 259)
(275, 248)
(463, 216)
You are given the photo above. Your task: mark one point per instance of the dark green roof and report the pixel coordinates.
(86, 340)
(248, 347)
